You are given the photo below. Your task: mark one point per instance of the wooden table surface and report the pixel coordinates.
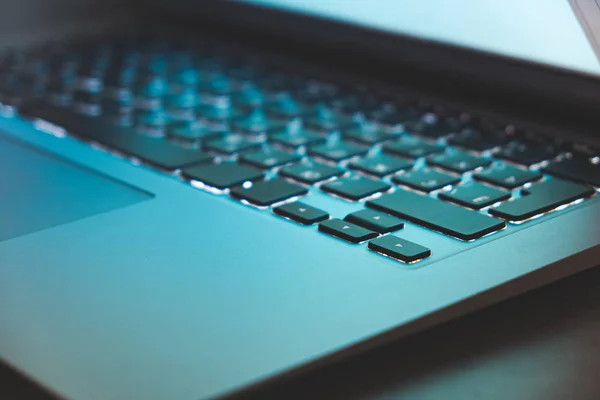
(542, 345)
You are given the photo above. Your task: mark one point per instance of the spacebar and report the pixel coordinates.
(160, 153)
(437, 215)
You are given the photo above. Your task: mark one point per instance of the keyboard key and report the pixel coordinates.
(297, 138)
(368, 134)
(541, 198)
(222, 176)
(255, 123)
(301, 213)
(381, 165)
(458, 162)
(507, 176)
(412, 147)
(232, 144)
(266, 193)
(477, 141)
(346, 231)
(269, 158)
(432, 126)
(355, 187)
(437, 215)
(323, 118)
(285, 107)
(310, 173)
(375, 221)
(338, 152)
(162, 154)
(577, 169)
(425, 180)
(400, 249)
(528, 153)
(195, 131)
(474, 195)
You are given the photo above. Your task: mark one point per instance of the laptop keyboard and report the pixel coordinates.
(232, 124)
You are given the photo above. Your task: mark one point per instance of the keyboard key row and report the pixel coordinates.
(160, 153)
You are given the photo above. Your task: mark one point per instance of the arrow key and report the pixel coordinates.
(301, 213)
(346, 231)
(375, 221)
(400, 249)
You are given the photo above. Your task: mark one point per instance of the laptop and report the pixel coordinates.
(201, 197)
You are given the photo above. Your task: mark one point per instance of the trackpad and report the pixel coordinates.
(39, 191)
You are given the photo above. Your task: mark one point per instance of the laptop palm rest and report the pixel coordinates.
(39, 191)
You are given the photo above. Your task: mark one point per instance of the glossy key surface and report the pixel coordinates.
(265, 193)
(337, 152)
(310, 172)
(268, 158)
(458, 161)
(346, 231)
(355, 187)
(400, 249)
(425, 180)
(375, 221)
(437, 215)
(541, 198)
(223, 175)
(577, 169)
(474, 195)
(381, 165)
(412, 147)
(301, 213)
(507, 176)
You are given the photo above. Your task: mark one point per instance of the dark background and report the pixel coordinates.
(542, 345)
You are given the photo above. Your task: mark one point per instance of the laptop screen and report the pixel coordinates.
(543, 31)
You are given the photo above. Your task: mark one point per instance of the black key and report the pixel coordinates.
(412, 147)
(326, 119)
(232, 144)
(222, 176)
(193, 131)
(355, 187)
(391, 119)
(375, 221)
(577, 169)
(381, 165)
(346, 231)
(477, 141)
(528, 153)
(458, 161)
(310, 173)
(425, 180)
(368, 134)
(437, 215)
(297, 138)
(507, 176)
(269, 158)
(302, 213)
(160, 153)
(285, 107)
(266, 193)
(400, 249)
(338, 152)
(432, 126)
(255, 123)
(541, 198)
(474, 195)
